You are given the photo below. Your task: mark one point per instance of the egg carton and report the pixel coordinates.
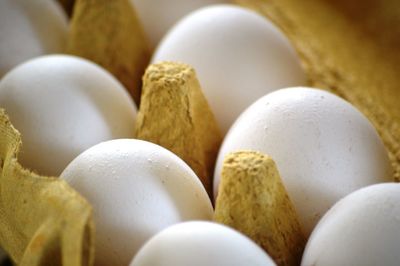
(342, 50)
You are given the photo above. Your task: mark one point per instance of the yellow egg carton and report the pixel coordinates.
(345, 49)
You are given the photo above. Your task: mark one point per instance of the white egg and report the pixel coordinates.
(63, 105)
(157, 16)
(361, 229)
(323, 146)
(30, 28)
(200, 244)
(136, 188)
(238, 55)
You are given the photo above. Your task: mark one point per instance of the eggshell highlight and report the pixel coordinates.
(238, 56)
(324, 147)
(63, 105)
(361, 229)
(200, 244)
(136, 188)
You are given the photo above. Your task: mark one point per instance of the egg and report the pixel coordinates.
(361, 229)
(324, 147)
(199, 244)
(63, 105)
(157, 16)
(136, 188)
(30, 29)
(238, 56)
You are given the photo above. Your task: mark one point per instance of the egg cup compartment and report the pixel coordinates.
(345, 49)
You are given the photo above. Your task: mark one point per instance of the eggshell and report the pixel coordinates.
(200, 244)
(323, 146)
(136, 189)
(361, 229)
(238, 55)
(63, 105)
(30, 28)
(157, 16)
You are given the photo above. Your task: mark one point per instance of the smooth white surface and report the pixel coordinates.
(200, 244)
(30, 28)
(238, 56)
(136, 189)
(158, 16)
(361, 229)
(63, 105)
(323, 146)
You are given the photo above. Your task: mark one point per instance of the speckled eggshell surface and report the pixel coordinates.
(238, 56)
(136, 188)
(361, 229)
(324, 147)
(30, 28)
(63, 105)
(201, 244)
